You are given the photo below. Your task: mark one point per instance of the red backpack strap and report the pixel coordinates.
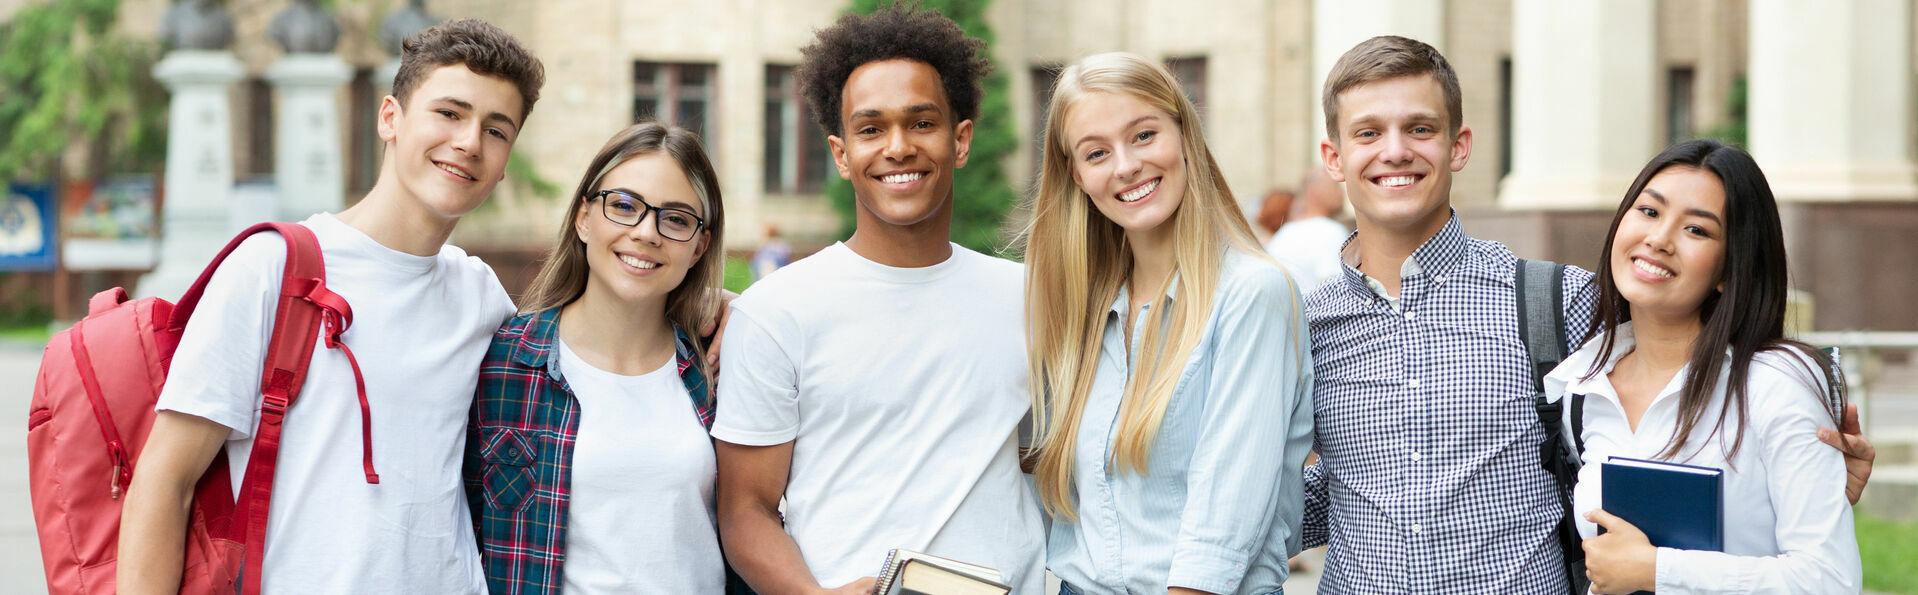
(305, 310)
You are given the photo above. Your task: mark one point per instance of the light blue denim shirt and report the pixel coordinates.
(1219, 507)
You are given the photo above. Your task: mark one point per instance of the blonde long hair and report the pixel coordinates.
(1077, 259)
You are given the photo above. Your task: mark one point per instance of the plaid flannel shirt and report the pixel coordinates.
(519, 451)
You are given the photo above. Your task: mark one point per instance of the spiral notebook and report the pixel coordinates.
(913, 573)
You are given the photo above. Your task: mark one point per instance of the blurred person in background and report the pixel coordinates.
(1308, 244)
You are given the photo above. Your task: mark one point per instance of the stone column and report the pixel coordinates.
(1584, 102)
(1337, 25)
(307, 156)
(1831, 99)
(199, 166)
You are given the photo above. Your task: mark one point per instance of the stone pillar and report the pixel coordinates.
(1584, 102)
(307, 157)
(199, 166)
(1831, 99)
(1337, 25)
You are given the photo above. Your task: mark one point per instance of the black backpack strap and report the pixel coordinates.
(1539, 288)
(1541, 298)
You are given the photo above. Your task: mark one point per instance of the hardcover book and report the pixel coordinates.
(913, 573)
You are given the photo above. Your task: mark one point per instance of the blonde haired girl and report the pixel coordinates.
(1169, 355)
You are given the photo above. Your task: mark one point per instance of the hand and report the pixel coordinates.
(716, 327)
(1859, 453)
(864, 586)
(1622, 560)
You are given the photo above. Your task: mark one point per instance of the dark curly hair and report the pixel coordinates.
(896, 30)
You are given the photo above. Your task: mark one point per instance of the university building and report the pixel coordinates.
(1566, 100)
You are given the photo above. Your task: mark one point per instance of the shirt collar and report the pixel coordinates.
(1122, 301)
(1436, 257)
(537, 346)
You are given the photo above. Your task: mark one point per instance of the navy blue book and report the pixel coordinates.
(1677, 506)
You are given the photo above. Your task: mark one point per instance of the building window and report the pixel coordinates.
(256, 157)
(1191, 75)
(797, 159)
(1504, 117)
(364, 145)
(681, 94)
(1679, 125)
(1044, 77)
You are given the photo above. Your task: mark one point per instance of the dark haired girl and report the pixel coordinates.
(1688, 363)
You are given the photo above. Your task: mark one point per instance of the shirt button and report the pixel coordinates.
(1416, 530)
(1411, 315)
(1415, 456)
(1414, 383)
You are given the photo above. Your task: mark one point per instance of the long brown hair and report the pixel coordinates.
(562, 278)
(1745, 318)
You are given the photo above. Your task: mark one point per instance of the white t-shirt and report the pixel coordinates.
(1309, 249)
(641, 518)
(420, 328)
(1788, 527)
(902, 391)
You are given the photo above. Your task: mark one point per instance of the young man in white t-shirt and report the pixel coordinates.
(423, 315)
(878, 386)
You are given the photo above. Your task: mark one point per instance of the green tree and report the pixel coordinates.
(981, 194)
(65, 78)
(1733, 130)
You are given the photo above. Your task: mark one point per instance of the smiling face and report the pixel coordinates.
(1668, 251)
(1127, 156)
(447, 147)
(1395, 155)
(636, 265)
(901, 143)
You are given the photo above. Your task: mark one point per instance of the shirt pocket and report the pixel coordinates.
(507, 480)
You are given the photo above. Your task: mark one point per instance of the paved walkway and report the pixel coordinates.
(20, 570)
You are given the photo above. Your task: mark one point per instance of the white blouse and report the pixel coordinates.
(1788, 526)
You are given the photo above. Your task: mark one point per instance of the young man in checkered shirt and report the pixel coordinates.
(1429, 478)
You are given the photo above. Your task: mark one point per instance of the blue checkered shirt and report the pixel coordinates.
(1429, 478)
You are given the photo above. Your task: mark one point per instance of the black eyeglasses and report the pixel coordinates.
(677, 225)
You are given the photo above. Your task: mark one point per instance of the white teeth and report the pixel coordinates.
(453, 171)
(1140, 192)
(1396, 181)
(1651, 268)
(902, 178)
(637, 263)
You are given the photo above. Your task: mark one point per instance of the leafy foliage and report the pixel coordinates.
(981, 193)
(65, 76)
(1733, 130)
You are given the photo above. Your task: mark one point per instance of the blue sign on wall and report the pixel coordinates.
(27, 228)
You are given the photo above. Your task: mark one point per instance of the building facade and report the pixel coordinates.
(1566, 101)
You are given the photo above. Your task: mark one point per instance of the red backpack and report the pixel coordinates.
(93, 404)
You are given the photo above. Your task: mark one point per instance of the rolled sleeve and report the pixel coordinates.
(1313, 529)
(1256, 426)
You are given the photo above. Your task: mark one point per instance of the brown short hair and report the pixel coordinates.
(477, 45)
(1391, 56)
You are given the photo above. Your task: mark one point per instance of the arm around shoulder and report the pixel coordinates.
(1818, 547)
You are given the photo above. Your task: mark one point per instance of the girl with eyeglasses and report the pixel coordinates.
(588, 464)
